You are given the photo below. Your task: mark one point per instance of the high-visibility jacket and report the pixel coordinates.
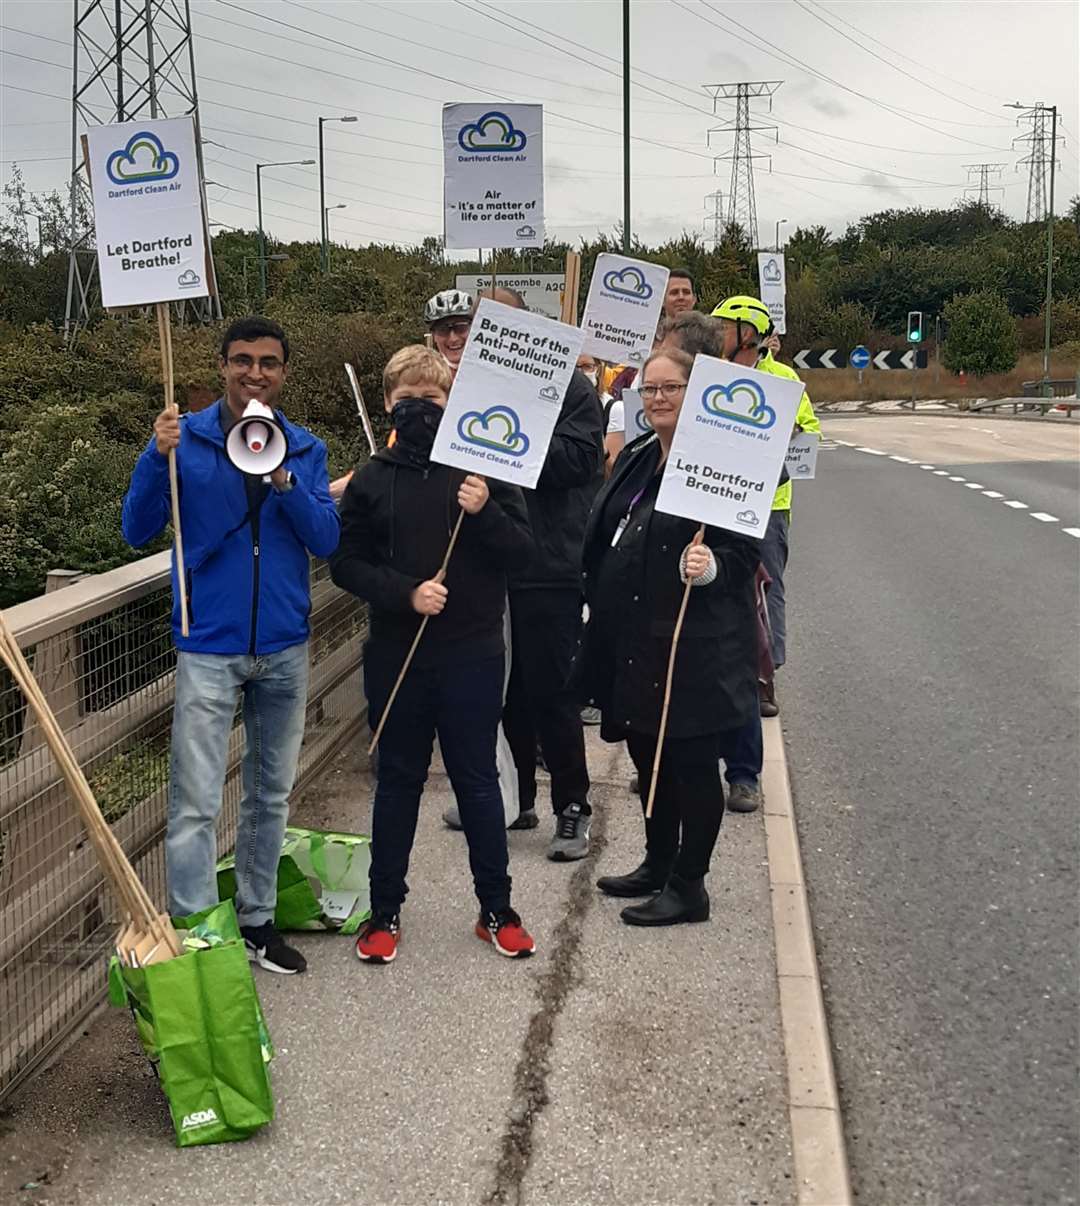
(804, 418)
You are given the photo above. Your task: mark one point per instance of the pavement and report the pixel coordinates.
(617, 1066)
(930, 721)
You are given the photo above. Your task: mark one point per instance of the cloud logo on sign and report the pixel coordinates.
(629, 282)
(549, 393)
(142, 160)
(525, 232)
(742, 401)
(187, 279)
(749, 517)
(635, 357)
(492, 132)
(771, 273)
(802, 468)
(497, 428)
(641, 422)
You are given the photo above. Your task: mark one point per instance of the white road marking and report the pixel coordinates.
(1042, 516)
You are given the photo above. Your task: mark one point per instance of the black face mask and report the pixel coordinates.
(416, 420)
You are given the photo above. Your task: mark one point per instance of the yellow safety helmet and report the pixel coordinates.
(751, 310)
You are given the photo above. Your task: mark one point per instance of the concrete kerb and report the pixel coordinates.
(817, 1132)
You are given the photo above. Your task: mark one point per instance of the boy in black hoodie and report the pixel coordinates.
(396, 519)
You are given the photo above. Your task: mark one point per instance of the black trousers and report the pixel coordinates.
(461, 703)
(545, 628)
(689, 803)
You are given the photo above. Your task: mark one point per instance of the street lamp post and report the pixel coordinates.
(326, 231)
(1052, 110)
(322, 191)
(258, 201)
(782, 222)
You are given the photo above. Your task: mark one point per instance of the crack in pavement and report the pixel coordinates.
(530, 1096)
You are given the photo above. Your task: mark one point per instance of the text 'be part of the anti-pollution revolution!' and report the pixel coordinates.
(538, 356)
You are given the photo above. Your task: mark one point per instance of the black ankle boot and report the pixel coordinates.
(681, 900)
(642, 881)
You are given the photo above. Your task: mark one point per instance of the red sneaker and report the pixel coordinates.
(506, 933)
(378, 940)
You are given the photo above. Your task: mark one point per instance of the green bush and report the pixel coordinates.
(62, 482)
(982, 335)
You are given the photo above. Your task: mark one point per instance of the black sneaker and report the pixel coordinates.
(267, 948)
(571, 840)
(526, 819)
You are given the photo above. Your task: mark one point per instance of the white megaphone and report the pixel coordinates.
(256, 444)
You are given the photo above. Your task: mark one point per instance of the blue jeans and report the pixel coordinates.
(743, 751)
(461, 703)
(208, 685)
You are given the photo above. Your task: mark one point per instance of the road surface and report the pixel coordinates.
(930, 713)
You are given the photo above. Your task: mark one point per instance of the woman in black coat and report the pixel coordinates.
(637, 561)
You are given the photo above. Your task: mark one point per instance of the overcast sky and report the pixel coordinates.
(856, 134)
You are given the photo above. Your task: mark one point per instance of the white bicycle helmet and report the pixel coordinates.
(450, 303)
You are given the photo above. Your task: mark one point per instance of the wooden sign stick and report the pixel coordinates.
(365, 420)
(127, 886)
(571, 283)
(164, 321)
(416, 639)
(699, 536)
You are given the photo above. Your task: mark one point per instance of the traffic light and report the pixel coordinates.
(914, 326)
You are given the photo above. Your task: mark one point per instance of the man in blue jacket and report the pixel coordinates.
(247, 540)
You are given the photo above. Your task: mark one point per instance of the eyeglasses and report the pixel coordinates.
(453, 328)
(669, 390)
(267, 364)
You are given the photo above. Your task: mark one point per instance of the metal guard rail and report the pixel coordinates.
(102, 650)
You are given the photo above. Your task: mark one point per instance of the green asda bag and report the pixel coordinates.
(200, 1022)
(338, 863)
(297, 908)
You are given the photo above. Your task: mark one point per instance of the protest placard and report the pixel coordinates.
(542, 291)
(635, 421)
(493, 175)
(773, 287)
(148, 212)
(623, 308)
(507, 394)
(801, 459)
(729, 446)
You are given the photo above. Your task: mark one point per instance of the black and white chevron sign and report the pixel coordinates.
(832, 358)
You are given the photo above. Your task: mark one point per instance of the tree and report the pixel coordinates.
(982, 335)
(809, 247)
(1073, 211)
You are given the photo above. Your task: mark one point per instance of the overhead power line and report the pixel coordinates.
(891, 48)
(790, 60)
(891, 62)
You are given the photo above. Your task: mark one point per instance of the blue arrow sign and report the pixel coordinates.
(860, 357)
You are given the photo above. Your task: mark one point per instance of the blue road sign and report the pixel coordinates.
(860, 357)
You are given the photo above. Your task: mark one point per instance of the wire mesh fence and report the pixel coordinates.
(106, 663)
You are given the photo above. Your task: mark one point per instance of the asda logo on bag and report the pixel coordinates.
(199, 1118)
